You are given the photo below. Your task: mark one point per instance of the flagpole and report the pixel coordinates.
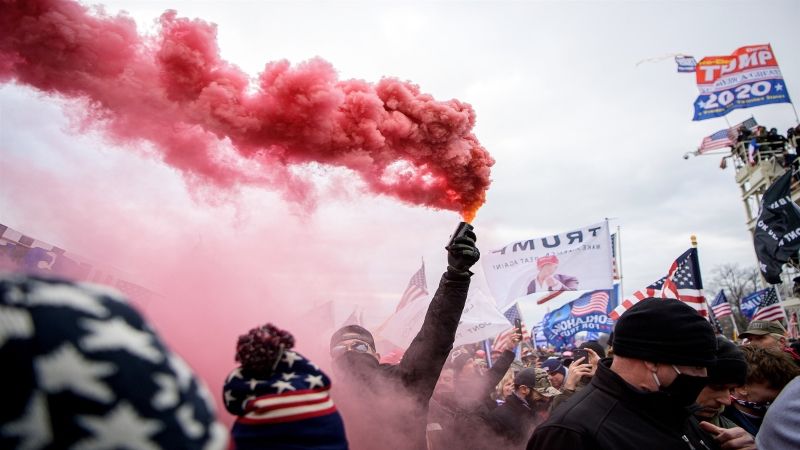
(733, 322)
(696, 258)
(780, 302)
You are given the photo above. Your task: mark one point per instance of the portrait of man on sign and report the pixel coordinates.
(548, 280)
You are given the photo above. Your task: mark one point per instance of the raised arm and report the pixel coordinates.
(428, 351)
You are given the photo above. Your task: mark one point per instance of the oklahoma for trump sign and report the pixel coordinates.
(578, 259)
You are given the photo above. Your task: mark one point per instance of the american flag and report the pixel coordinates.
(769, 308)
(725, 137)
(597, 302)
(712, 317)
(720, 305)
(417, 287)
(682, 282)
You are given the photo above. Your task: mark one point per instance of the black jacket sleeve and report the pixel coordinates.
(422, 362)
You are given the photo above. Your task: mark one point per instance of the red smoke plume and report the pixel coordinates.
(174, 91)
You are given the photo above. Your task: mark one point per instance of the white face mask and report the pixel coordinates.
(658, 382)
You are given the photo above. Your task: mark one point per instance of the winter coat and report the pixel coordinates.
(514, 420)
(611, 414)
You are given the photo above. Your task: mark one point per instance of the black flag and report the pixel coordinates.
(777, 233)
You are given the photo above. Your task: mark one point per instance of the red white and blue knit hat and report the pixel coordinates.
(282, 399)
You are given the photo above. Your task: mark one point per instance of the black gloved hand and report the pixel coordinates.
(462, 254)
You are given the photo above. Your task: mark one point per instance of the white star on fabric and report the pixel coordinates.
(253, 383)
(235, 374)
(701, 104)
(282, 386)
(217, 437)
(66, 369)
(117, 334)
(288, 376)
(316, 367)
(182, 371)
(167, 395)
(66, 295)
(191, 427)
(34, 427)
(228, 397)
(290, 357)
(15, 323)
(314, 380)
(778, 87)
(122, 427)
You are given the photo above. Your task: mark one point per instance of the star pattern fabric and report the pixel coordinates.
(293, 374)
(116, 334)
(282, 404)
(67, 369)
(34, 427)
(90, 353)
(122, 427)
(15, 323)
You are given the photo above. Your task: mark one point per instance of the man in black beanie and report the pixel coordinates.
(662, 349)
(730, 372)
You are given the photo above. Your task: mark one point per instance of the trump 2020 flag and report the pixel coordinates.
(587, 313)
(749, 77)
(777, 233)
(574, 260)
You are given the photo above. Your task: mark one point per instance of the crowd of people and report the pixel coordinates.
(87, 371)
(758, 143)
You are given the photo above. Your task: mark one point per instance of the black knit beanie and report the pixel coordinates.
(731, 365)
(665, 331)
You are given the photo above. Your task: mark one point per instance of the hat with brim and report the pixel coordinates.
(762, 327)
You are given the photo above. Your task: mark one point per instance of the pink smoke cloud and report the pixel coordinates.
(174, 91)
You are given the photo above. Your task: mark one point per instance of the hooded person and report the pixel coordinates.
(83, 369)
(386, 405)
(280, 399)
(641, 397)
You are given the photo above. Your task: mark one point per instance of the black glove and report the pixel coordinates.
(462, 254)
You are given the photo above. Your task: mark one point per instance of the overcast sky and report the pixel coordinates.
(578, 130)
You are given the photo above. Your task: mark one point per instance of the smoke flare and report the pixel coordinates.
(174, 91)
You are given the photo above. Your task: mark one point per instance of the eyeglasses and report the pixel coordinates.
(352, 346)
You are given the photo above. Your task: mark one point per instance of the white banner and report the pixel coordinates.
(574, 260)
(480, 320)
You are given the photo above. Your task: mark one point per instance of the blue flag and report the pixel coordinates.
(750, 303)
(588, 313)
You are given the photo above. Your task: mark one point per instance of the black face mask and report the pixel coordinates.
(354, 365)
(684, 388)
